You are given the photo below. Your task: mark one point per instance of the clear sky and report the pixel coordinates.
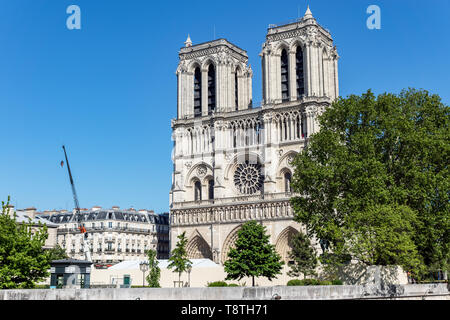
(108, 91)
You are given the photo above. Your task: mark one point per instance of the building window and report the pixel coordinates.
(236, 90)
(284, 75)
(287, 181)
(211, 189)
(110, 225)
(198, 191)
(197, 92)
(299, 72)
(211, 88)
(304, 127)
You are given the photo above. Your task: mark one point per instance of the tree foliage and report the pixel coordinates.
(154, 272)
(57, 253)
(178, 260)
(23, 261)
(303, 256)
(252, 255)
(374, 180)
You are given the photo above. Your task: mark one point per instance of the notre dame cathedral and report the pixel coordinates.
(232, 158)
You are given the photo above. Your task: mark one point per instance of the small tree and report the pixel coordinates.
(23, 261)
(303, 255)
(253, 255)
(178, 260)
(154, 272)
(57, 253)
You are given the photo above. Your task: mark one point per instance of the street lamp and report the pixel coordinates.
(189, 275)
(144, 267)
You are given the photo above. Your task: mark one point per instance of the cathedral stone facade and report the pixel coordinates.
(232, 158)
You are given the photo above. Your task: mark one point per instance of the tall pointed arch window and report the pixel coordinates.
(197, 191)
(300, 78)
(287, 181)
(236, 90)
(197, 92)
(211, 88)
(210, 189)
(284, 75)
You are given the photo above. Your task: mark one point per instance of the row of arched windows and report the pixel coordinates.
(198, 190)
(211, 87)
(287, 177)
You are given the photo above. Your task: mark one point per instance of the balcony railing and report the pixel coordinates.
(104, 229)
(222, 201)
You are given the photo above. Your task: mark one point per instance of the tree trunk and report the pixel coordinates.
(253, 281)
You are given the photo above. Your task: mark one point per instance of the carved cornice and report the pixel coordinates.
(220, 48)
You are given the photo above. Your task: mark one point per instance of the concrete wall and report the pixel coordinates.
(409, 292)
(200, 276)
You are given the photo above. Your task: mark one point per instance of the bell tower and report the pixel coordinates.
(298, 61)
(212, 77)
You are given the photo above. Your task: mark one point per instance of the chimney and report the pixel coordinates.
(10, 210)
(31, 212)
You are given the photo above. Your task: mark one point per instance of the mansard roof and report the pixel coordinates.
(100, 215)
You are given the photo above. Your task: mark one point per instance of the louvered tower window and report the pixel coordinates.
(299, 72)
(284, 76)
(236, 92)
(197, 92)
(211, 88)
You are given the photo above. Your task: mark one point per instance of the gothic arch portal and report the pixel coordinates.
(284, 242)
(198, 248)
(229, 243)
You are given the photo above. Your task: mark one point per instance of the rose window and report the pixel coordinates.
(248, 178)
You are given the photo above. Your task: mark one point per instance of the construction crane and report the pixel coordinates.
(81, 227)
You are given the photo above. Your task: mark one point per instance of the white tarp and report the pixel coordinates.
(134, 264)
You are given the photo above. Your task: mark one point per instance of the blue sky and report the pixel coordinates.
(108, 91)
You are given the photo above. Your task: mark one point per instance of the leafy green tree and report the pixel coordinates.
(154, 272)
(253, 255)
(23, 261)
(373, 182)
(57, 253)
(178, 259)
(303, 256)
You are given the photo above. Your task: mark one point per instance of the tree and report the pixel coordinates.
(253, 255)
(373, 182)
(303, 256)
(154, 272)
(178, 260)
(57, 253)
(23, 261)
